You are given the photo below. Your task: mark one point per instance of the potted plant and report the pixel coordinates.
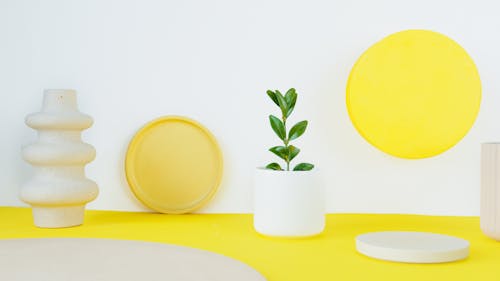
(288, 201)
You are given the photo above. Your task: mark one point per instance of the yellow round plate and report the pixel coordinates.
(414, 94)
(174, 165)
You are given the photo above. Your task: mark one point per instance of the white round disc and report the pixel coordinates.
(106, 259)
(412, 247)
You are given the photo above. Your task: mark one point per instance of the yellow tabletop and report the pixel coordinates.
(329, 256)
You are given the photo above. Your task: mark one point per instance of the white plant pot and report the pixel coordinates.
(490, 190)
(288, 204)
(59, 189)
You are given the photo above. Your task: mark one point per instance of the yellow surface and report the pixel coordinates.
(414, 94)
(330, 256)
(174, 165)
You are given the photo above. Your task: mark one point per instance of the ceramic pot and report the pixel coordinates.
(490, 190)
(288, 203)
(59, 189)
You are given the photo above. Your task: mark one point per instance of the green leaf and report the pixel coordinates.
(274, 166)
(278, 127)
(292, 152)
(272, 95)
(281, 151)
(303, 167)
(281, 102)
(291, 90)
(297, 130)
(291, 99)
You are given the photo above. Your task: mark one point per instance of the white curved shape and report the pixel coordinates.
(412, 247)
(66, 259)
(35, 192)
(59, 154)
(490, 190)
(50, 120)
(59, 189)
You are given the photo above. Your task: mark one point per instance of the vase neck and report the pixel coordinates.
(59, 100)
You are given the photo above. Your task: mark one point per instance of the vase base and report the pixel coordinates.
(58, 217)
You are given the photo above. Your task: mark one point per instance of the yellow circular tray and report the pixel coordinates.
(414, 94)
(174, 165)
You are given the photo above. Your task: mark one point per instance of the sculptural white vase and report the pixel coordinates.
(59, 189)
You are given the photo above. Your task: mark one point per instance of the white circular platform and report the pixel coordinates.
(104, 260)
(412, 247)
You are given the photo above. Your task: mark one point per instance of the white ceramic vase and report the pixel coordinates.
(288, 204)
(59, 189)
(490, 190)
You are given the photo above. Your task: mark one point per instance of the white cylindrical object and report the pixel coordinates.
(412, 247)
(288, 204)
(59, 189)
(490, 190)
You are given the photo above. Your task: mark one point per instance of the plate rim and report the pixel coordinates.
(132, 183)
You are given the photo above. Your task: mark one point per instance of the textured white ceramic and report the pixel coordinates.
(412, 247)
(59, 189)
(120, 260)
(490, 190)
(288, 204)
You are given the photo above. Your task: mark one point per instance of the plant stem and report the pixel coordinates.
(285, 141)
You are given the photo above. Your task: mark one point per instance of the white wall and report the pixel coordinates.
(132, 61)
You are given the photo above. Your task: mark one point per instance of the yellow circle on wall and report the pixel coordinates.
(414, 94)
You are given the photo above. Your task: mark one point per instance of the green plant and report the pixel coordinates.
(287, 151)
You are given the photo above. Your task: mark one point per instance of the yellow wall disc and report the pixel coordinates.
(414, 94)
